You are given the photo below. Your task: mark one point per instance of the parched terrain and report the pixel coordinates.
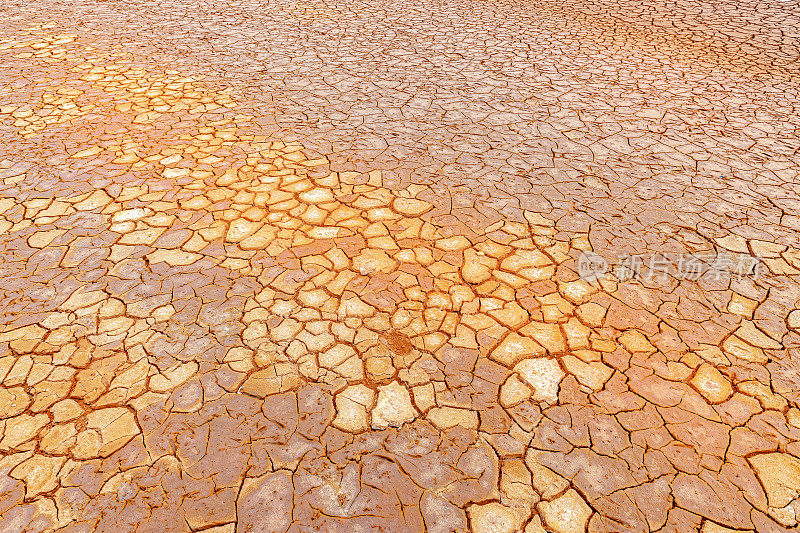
(399, 266)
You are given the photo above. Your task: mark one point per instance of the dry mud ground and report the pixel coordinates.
(281, 266)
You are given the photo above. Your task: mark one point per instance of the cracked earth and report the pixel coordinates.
(277, 266)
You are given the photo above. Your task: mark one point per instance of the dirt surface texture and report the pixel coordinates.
(400, 266)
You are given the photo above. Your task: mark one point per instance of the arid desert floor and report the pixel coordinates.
(399, 266)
